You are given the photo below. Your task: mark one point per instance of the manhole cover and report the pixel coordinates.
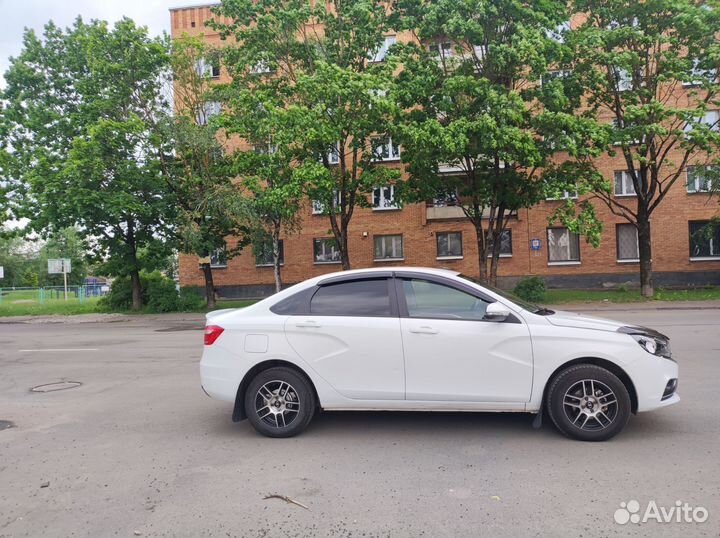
(60, 385)
(6, 425)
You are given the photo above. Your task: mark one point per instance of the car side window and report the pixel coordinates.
(427, 299)
(355, 298)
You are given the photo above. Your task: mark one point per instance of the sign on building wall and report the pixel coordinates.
(535, 244)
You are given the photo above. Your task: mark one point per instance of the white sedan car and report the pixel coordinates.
(417, 339)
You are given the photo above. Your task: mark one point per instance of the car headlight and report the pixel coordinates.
(653, 344)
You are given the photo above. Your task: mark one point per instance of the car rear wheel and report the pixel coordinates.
(588, 403)
(279, 402)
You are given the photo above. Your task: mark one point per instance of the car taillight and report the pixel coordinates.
(212, 333)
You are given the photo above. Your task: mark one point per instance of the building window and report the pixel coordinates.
(562, 195)
(449, 245)
(205, 67)
(700, 178)
(264, 253)
(384, 149)
(704, 240)
(505, 244)
(388, 247)
(624, 185)
(325, 250)
(700, 75)
(260, 68)
(218, 258)
(628, 249)
(443, 49)
(333, 155)
(563, 246)
(384, 197)
(267, 148)
(445, 199)
(382, 51)
(555, 74)
(209, 109)
(711, 119)
(558, 33)
(318, 208)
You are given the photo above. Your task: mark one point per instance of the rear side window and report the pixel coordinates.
(355, 298)
(296, 304)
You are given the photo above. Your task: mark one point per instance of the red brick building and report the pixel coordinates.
(437, 234)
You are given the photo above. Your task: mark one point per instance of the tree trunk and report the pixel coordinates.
(136, 291)
(482, 245)
(645, 253)
(344, 253)
(276, 256)
(209, 285)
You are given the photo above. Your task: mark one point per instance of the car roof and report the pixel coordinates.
(384, 270)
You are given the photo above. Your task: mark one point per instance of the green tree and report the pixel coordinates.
(477, 127)
(649, 74)
(82, 107)
(209, 206)
(324, 89)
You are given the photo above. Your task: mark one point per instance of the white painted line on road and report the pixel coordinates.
(60, 349)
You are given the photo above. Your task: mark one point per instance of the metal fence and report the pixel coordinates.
(19, 295)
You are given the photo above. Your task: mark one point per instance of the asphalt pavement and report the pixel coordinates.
(137, 449)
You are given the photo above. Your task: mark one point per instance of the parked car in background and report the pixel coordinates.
(418, 339)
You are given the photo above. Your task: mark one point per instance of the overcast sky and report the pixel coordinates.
(18, 14)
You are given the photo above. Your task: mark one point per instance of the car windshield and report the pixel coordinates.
(530, 307)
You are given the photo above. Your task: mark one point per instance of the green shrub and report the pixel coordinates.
(158, 294)
(530, 289)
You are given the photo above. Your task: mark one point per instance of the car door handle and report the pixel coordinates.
(423, 330)
(309, 324)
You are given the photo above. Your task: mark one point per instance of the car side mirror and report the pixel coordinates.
(496, 312)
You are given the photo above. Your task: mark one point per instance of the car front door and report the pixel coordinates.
(351, 338)
(452, 353)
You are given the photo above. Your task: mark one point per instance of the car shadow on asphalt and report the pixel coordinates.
(339, 424)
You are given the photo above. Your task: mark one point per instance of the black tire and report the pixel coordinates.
(287, 408)
(580, 403)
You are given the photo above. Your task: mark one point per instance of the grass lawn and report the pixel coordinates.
(27, 303)
(559, 296)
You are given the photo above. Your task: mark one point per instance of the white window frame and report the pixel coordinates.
(449, 256)
(318, 208)
(392, 246)
(209, 109)
(384, 203)
(261, 67)
(704, 74)
(557, 34)
(281, 246)
(567, 195)
(712, 245)
(380, 54)
(626, 182)
(265, 149)
(333, 156)
(393, 150)
(204, 67)
(711, 117)
(617, 244)
(506, 254)
(441, 49)
(326, 245)
(567, 261)
(707, 183)
(219, 255)
(554, 74)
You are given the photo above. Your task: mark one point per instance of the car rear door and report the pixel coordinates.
(452, 353)
(351, 338)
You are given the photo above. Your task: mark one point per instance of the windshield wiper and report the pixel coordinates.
(542, 311)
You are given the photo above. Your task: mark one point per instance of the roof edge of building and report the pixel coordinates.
(193, 5)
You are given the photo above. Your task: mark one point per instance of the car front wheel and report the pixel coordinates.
(279, 402)
(588, 403)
